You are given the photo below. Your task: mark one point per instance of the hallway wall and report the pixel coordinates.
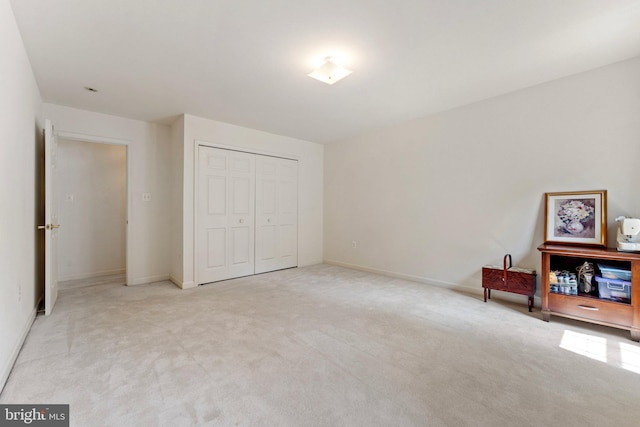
(92, 208)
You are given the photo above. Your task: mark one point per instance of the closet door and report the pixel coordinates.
(225, 214)
(276, 213)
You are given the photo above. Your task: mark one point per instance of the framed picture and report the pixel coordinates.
(578, 218)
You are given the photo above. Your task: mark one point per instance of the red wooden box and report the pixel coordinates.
(509, 279)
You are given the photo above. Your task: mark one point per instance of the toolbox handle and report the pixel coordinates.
(615, 286)
(505, 268)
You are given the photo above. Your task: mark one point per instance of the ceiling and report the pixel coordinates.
(246, 62)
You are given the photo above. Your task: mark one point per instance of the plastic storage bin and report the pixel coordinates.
(609, 272)
(614, 289)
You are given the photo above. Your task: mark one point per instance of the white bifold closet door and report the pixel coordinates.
(226, 212)
(247, 214)
(276, 213)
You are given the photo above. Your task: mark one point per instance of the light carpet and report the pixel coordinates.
(321, 346)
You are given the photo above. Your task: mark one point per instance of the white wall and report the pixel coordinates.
(20, 151)
(149, 170)
(437, 198)
(310, 158)
(92, 208)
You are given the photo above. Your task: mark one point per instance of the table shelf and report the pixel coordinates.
(586, 307)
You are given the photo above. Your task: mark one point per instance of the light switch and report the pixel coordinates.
(146, 197)
(68, 198)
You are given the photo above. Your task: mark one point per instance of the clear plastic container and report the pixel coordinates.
(614, 289)
(609, 272)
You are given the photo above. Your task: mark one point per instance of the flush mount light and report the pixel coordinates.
(91, 89)
(329, 72)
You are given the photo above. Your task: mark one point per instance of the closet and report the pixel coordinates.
(246, 214)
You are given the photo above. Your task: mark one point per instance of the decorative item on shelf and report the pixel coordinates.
(585, 277)
(628, 234)
(563, 282)
(509, 279)
(578, 218)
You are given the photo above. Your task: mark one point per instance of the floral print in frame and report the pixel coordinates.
(578, 217)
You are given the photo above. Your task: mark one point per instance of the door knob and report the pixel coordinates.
(241, 220)
(48, 226)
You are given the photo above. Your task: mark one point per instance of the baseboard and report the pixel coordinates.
(6, 369)
(149, 279)
(397, 275)
(475, 290)
(175, 281)
(92, 275)
(162, 278)
(189, 285)
(181, 284)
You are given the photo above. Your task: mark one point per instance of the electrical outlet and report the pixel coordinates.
(146, 197)
(354, 244)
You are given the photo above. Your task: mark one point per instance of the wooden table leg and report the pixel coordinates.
(485, 294)
(530, 304)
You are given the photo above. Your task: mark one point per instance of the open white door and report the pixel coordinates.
(51, 220)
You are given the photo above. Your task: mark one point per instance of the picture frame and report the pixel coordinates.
(576, 218)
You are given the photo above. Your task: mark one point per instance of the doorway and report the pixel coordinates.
(92, 209)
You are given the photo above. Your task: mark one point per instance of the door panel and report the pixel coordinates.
(216, 247)
(242, 165)
(288, 241)
(268, 196)
(241, 196)
(225, 214)
(51, 219)
(242, 199)
(216, 162)
(268, 243)
(217, 195)
(289, 197)
(240, 244)
(276, 213)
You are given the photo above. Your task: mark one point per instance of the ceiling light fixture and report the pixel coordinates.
(91, 89)
(329, 72)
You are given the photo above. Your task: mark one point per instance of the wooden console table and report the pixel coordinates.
(586, 307)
